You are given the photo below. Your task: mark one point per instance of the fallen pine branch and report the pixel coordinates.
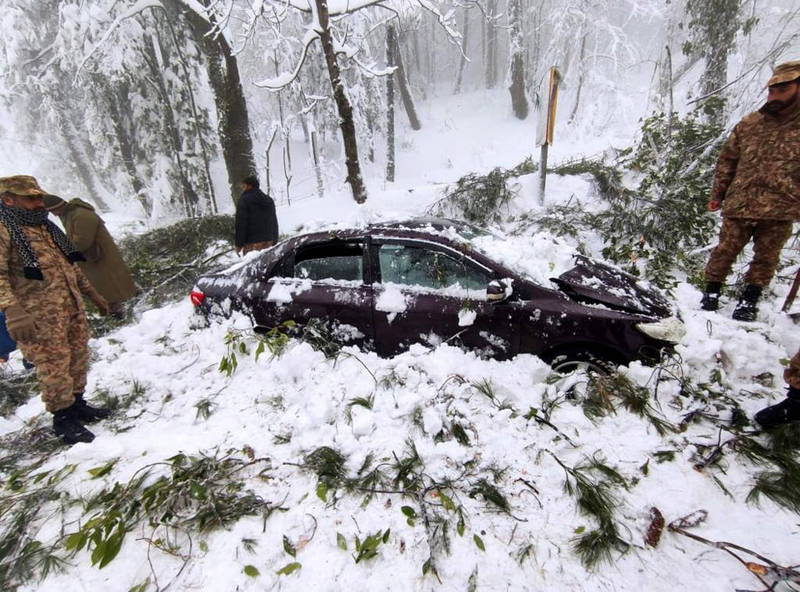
(766, 570)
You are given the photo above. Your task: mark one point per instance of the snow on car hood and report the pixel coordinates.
(537, 257)
(544, 258)
(592, 281)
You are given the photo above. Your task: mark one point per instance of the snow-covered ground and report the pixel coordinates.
(371, 410)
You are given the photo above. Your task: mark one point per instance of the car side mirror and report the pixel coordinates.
(497, 291)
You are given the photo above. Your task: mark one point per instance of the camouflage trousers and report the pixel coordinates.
(768, 237)
(60, 353)
(792, 374)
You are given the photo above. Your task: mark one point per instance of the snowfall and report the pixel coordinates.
(280, 408)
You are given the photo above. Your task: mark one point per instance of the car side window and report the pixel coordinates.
(339, 261)
(427, 268)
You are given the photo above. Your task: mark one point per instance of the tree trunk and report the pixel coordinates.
(491, 45)
(223, 75)
(715, 24)
(463, 62)
(124, 140)
(346, 123)
(315, 159)
(416, 53)
(211, 200)
(78, 155)
(581, 62)
(189, 199)
(405, 92)
(391, 50)
(519, 102)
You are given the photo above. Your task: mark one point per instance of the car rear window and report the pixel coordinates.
(331, 262)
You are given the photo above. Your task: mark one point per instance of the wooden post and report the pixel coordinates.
(546, 129)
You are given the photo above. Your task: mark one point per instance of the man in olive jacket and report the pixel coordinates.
(757, 186)
(256, 222)
(104, 265)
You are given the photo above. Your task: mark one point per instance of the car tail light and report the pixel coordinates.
(197, 297)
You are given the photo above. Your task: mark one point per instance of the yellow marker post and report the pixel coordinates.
(547, 127)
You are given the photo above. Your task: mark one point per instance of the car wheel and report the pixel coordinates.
(576, 369)
(580, 361)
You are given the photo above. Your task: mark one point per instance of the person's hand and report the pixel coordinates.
(102, 305)
(20, 325)
(714, 205)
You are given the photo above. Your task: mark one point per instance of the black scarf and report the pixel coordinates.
(15, 218)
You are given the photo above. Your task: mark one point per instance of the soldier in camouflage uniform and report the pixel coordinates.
(757, 185)
(40, 293)
(788, 410)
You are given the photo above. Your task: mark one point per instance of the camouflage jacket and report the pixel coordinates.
(758, 171)
(61, 278)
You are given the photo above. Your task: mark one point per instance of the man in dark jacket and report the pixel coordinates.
(104, 265)
(757, 186)
(256, 222)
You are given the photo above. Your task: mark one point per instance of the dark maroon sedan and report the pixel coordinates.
(389, 285)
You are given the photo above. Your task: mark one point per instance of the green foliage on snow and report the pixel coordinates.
(481, 199)
(592, 484)
(197, 494)
(26, 493)
(661, 226)
(166, 262)
(780, 482)
(17, 388)
(603, 390)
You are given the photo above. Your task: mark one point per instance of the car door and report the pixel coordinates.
(427, 293)
(327, 281)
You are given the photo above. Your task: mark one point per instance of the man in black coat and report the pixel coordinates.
(256, 222)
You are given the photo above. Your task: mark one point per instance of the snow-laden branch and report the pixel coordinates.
(198, 8)
(136, 9)
(284, 80)
(335, 7)
(446, 22)
(371, 70)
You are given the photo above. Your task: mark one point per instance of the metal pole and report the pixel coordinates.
(543, 173)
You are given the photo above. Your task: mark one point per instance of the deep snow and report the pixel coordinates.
(304, 398)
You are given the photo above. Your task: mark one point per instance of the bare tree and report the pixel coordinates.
(223, 75)
(405, 91)
(346, 122)
(519, 102)
(391, 50)
(464, 46)
(490, 28)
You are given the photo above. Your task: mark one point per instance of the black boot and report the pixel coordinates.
(86, 413)
(747, 308)
(787, 411)
(68, 427)
(710, 299)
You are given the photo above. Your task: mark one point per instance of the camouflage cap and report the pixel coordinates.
(785, 72)
(21, 185)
